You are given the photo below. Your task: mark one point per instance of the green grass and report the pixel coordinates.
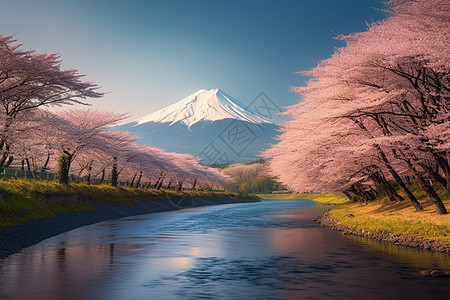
(320, 198)
(397, 217)
(245, 198)
(21, 200)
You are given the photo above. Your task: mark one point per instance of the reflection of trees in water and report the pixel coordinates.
(416, 258)
(61, 256)
(111, 254)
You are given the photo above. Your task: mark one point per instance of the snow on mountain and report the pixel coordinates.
(208, 124)
(204, 105)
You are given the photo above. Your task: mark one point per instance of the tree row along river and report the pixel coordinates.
(266, 250)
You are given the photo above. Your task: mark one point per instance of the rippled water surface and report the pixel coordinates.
(267, 250)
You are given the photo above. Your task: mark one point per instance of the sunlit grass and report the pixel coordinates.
(397, 218)
(21, 200)
(380, 215)
(321, 198)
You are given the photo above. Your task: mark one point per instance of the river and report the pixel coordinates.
(266, 250)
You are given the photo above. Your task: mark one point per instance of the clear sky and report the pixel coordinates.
(149, 54)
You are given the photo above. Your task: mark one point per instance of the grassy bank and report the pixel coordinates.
(382, 216)
(397, 218)
(21, 200)
(320, 198)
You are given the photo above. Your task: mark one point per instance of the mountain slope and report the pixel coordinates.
(208, 124)
(204, 105)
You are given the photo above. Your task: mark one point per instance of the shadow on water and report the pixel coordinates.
(267, 250)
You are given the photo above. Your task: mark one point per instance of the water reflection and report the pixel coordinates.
(268, 250)
(416, 258)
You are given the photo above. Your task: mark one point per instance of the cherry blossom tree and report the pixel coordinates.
(80, 130)
(373, 111)
(29, 80)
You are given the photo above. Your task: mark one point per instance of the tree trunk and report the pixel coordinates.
(357, 190)
(63, 167)
(399, 180)
(28, 164)
(114, 173)
(405, 189)
(195, 183)
(373, 193)
(392, 190)
(409, 195)
(160, 184)
(9, 161)
(385, 186)
(443, 164)
(4, 155)
(139, 179)
(428, 189)
(168, 186)
(3, 159)
(350, 196)
(355, 196)
(157, 183)
(132, 180)
(44, 167)
(103, 176)
(402, 185)
(435, 175)
(382, 187)
(89, 173)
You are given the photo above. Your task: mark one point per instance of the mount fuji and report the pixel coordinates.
(209, 124)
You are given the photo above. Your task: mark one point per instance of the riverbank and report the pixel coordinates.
(411, 241)
(31, 211)
(266, 250)
(23, 200)
(396, 223)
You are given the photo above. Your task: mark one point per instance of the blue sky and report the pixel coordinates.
(149, 54)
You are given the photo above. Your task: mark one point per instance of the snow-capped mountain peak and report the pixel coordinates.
(204, 105)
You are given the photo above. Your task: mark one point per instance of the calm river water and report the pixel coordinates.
(266, 250)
